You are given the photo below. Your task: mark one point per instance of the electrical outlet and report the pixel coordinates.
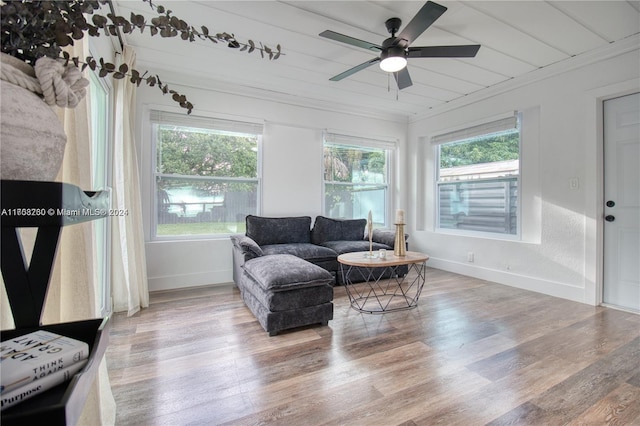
(574, 183)
(470, 257)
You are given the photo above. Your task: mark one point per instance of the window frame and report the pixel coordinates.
(468, 133)
(198, 122)
(357, 142)
(103, 272)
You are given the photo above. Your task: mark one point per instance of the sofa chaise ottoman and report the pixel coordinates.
(284, 292)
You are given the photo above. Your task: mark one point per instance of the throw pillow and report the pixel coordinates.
(327, 229)
(278, 230)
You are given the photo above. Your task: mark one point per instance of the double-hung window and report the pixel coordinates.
(356, 178)
(478, 178)
(206, 174)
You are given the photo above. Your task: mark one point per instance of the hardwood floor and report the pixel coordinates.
(471, 353)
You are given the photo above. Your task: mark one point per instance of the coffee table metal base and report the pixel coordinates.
(372, 293)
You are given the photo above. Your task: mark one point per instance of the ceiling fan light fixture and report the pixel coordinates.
(393, 59)
(393, 64)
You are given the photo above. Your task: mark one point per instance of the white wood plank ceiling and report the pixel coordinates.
(517, 38)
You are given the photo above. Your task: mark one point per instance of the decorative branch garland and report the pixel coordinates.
(33, 29)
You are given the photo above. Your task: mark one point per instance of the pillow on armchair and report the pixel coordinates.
(327, 229)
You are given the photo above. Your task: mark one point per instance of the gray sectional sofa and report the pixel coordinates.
(320, 245)
(285, 268)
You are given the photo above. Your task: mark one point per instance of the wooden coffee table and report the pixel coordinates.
(376, 286)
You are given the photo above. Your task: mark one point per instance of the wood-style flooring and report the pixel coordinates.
(472, 353)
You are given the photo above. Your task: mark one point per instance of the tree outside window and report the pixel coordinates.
(206, 180)
(356, 182)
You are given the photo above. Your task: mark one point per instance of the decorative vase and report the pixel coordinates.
(399, 247)
(32, 138)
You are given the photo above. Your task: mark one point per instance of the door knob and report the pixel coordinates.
(611, 203)
(609, 218)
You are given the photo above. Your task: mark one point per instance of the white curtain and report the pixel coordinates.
(72, 288)
(129, 268)
(69, 297)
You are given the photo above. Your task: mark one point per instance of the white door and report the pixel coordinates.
(622, 202)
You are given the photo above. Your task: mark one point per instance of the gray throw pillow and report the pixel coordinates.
(278, 230)
(327, 229)
(249, 246)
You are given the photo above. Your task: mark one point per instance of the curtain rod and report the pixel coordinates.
(110, 2)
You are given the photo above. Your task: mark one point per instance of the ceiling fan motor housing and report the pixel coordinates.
(393, 46)
(392, 51)
(393, 56)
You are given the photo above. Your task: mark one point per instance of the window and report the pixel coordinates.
(356, 178)
(478, 178)
(100, 99)
(206, 174)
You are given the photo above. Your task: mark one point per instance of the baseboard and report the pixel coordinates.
(551, 288)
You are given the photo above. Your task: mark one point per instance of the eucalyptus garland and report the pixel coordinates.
(33, 29)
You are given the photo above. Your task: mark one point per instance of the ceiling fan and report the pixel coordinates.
(396, 49)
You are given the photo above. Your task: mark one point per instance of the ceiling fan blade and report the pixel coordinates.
(350, 40)
(426, 16)
(354, 70)
(403, 78)
(465, 51)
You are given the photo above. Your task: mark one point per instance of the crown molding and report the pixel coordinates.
(609, 51)
(252, 92)
(606, 52)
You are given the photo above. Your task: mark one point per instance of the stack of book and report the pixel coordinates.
(38, 361)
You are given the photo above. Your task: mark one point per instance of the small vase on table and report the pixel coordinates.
(370, 233)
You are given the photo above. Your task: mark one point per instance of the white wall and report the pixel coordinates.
(560, 254)
(291, 171)
(560, 251)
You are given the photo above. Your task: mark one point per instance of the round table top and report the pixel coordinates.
(361, 258)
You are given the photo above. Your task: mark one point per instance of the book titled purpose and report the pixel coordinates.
(15, 396)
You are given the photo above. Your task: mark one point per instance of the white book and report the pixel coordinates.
(25, 392)
(31, 357)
